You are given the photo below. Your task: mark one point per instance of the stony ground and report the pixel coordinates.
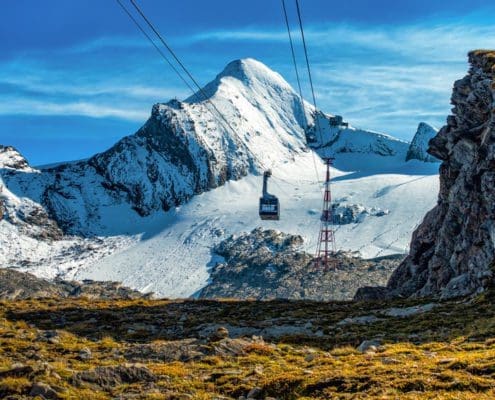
(205, 349)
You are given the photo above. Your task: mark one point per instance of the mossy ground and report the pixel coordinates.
(446, 353)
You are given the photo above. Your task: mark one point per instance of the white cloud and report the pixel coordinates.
(34, 107)
(380, 77)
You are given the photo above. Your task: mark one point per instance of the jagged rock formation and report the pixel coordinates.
(30, 218)
(453, 250)
(267, 264)
(16, 285)
(346, 213)
(12, 159)
(419, 145)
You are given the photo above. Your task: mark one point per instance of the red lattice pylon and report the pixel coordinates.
(326, 249)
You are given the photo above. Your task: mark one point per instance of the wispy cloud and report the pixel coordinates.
(432, 39)
(381, 77)
(34, 107)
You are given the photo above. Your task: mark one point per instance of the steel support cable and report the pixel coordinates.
(294, 62)
(154, 45)
(181, 64)
(208, 101)
(309, 70)
(305, 122)
(160, 52)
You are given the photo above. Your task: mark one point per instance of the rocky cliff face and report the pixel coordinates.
(419, 145)
(453, 250)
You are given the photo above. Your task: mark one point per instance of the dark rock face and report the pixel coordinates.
(267, 264)
(453, 250)
(164, 163)
(372, 293)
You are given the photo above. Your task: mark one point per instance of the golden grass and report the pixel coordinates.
(448, 353)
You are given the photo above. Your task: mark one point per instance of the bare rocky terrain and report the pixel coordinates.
(16, 285)
(267, 264)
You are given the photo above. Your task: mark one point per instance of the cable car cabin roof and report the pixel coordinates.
(269, 208)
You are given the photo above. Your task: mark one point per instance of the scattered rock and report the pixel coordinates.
(255, 393)
(85, 354)
(365, 319)
(177, 350)
(389, 360)
(369, 346)
(219, 334)
(109, 377)
(408, 311)
(348, 213)
(44, 391)
(17, 372)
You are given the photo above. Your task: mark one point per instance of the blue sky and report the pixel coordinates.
(75, 76)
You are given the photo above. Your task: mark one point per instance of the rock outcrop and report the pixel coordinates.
(453, 251)
(419, 145)
(16, 285)
(268, 264)
(346, 213)
(10, 158)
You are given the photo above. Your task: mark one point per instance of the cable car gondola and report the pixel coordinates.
(269, 204)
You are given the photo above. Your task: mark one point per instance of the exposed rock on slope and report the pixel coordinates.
(453, 250)
(30, 218)
(419, 145)
(15, 285)
(10, 158)
(348, 213)
(266, 264)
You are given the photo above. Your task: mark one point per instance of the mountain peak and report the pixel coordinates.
(248, 69)
(249, 73)
(419, 145)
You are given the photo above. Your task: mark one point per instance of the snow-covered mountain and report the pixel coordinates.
(419, 145)
(136, 212)
(340, 137)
